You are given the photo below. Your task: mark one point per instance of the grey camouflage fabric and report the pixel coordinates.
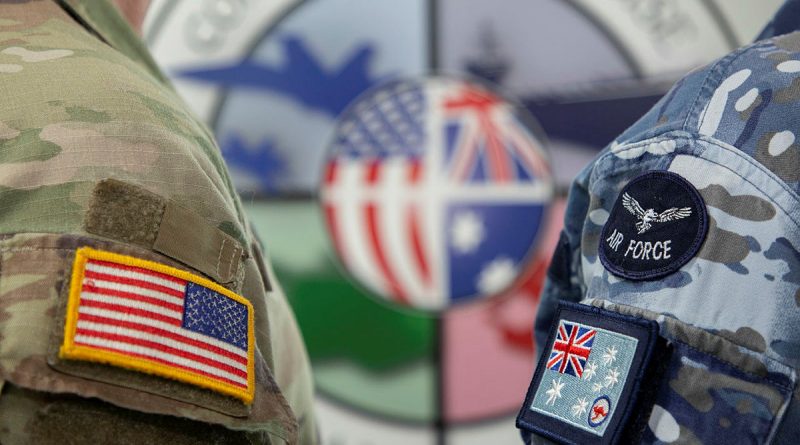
(732, 312)
(83, 103)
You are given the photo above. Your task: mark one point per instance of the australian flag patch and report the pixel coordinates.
(589, 379)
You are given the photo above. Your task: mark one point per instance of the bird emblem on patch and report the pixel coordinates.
(648, 217)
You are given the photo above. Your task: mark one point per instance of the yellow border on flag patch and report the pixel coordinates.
(69, 350)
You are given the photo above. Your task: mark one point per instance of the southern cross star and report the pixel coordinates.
(554, 392)
(467, 232)
(610, 355)
(649, 217)
(580, 406)
(612, 378)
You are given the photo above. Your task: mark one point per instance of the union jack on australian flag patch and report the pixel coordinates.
(571, 349)
(152, 318)
(591, 376)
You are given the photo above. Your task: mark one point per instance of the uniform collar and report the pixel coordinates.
(785, 21)
(104, 20)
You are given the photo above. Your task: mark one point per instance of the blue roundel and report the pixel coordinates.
(599, 411)
(656, 226)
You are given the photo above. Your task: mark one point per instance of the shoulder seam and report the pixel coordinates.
(714, 77)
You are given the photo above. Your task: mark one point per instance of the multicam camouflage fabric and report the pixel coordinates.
(83, 101)
(732, 312)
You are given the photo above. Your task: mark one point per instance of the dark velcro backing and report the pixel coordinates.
(73, 420)
(124, 212)
(131, 214)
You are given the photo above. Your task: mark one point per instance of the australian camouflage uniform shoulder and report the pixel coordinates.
(671, 308)
(135, 304)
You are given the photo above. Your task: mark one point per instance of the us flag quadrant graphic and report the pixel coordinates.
(152, 318)
(434, 192)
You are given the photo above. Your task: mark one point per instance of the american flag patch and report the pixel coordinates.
(149, 317)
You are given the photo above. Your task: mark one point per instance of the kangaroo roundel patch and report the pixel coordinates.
(657, 224)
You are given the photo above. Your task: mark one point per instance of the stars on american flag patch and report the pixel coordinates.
(149, 317)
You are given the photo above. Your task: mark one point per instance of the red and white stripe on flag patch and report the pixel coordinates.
(149, 317)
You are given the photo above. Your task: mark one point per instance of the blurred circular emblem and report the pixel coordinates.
(272, 77)
(434, 191)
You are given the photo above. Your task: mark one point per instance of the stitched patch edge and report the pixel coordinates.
(69, 350)
(691, 251)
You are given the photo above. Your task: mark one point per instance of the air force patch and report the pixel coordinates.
(591, 377)
(656, 226)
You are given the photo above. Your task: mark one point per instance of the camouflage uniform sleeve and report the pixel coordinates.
(102, 164)
(292, 372)
(564, 279)
(709, 263)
